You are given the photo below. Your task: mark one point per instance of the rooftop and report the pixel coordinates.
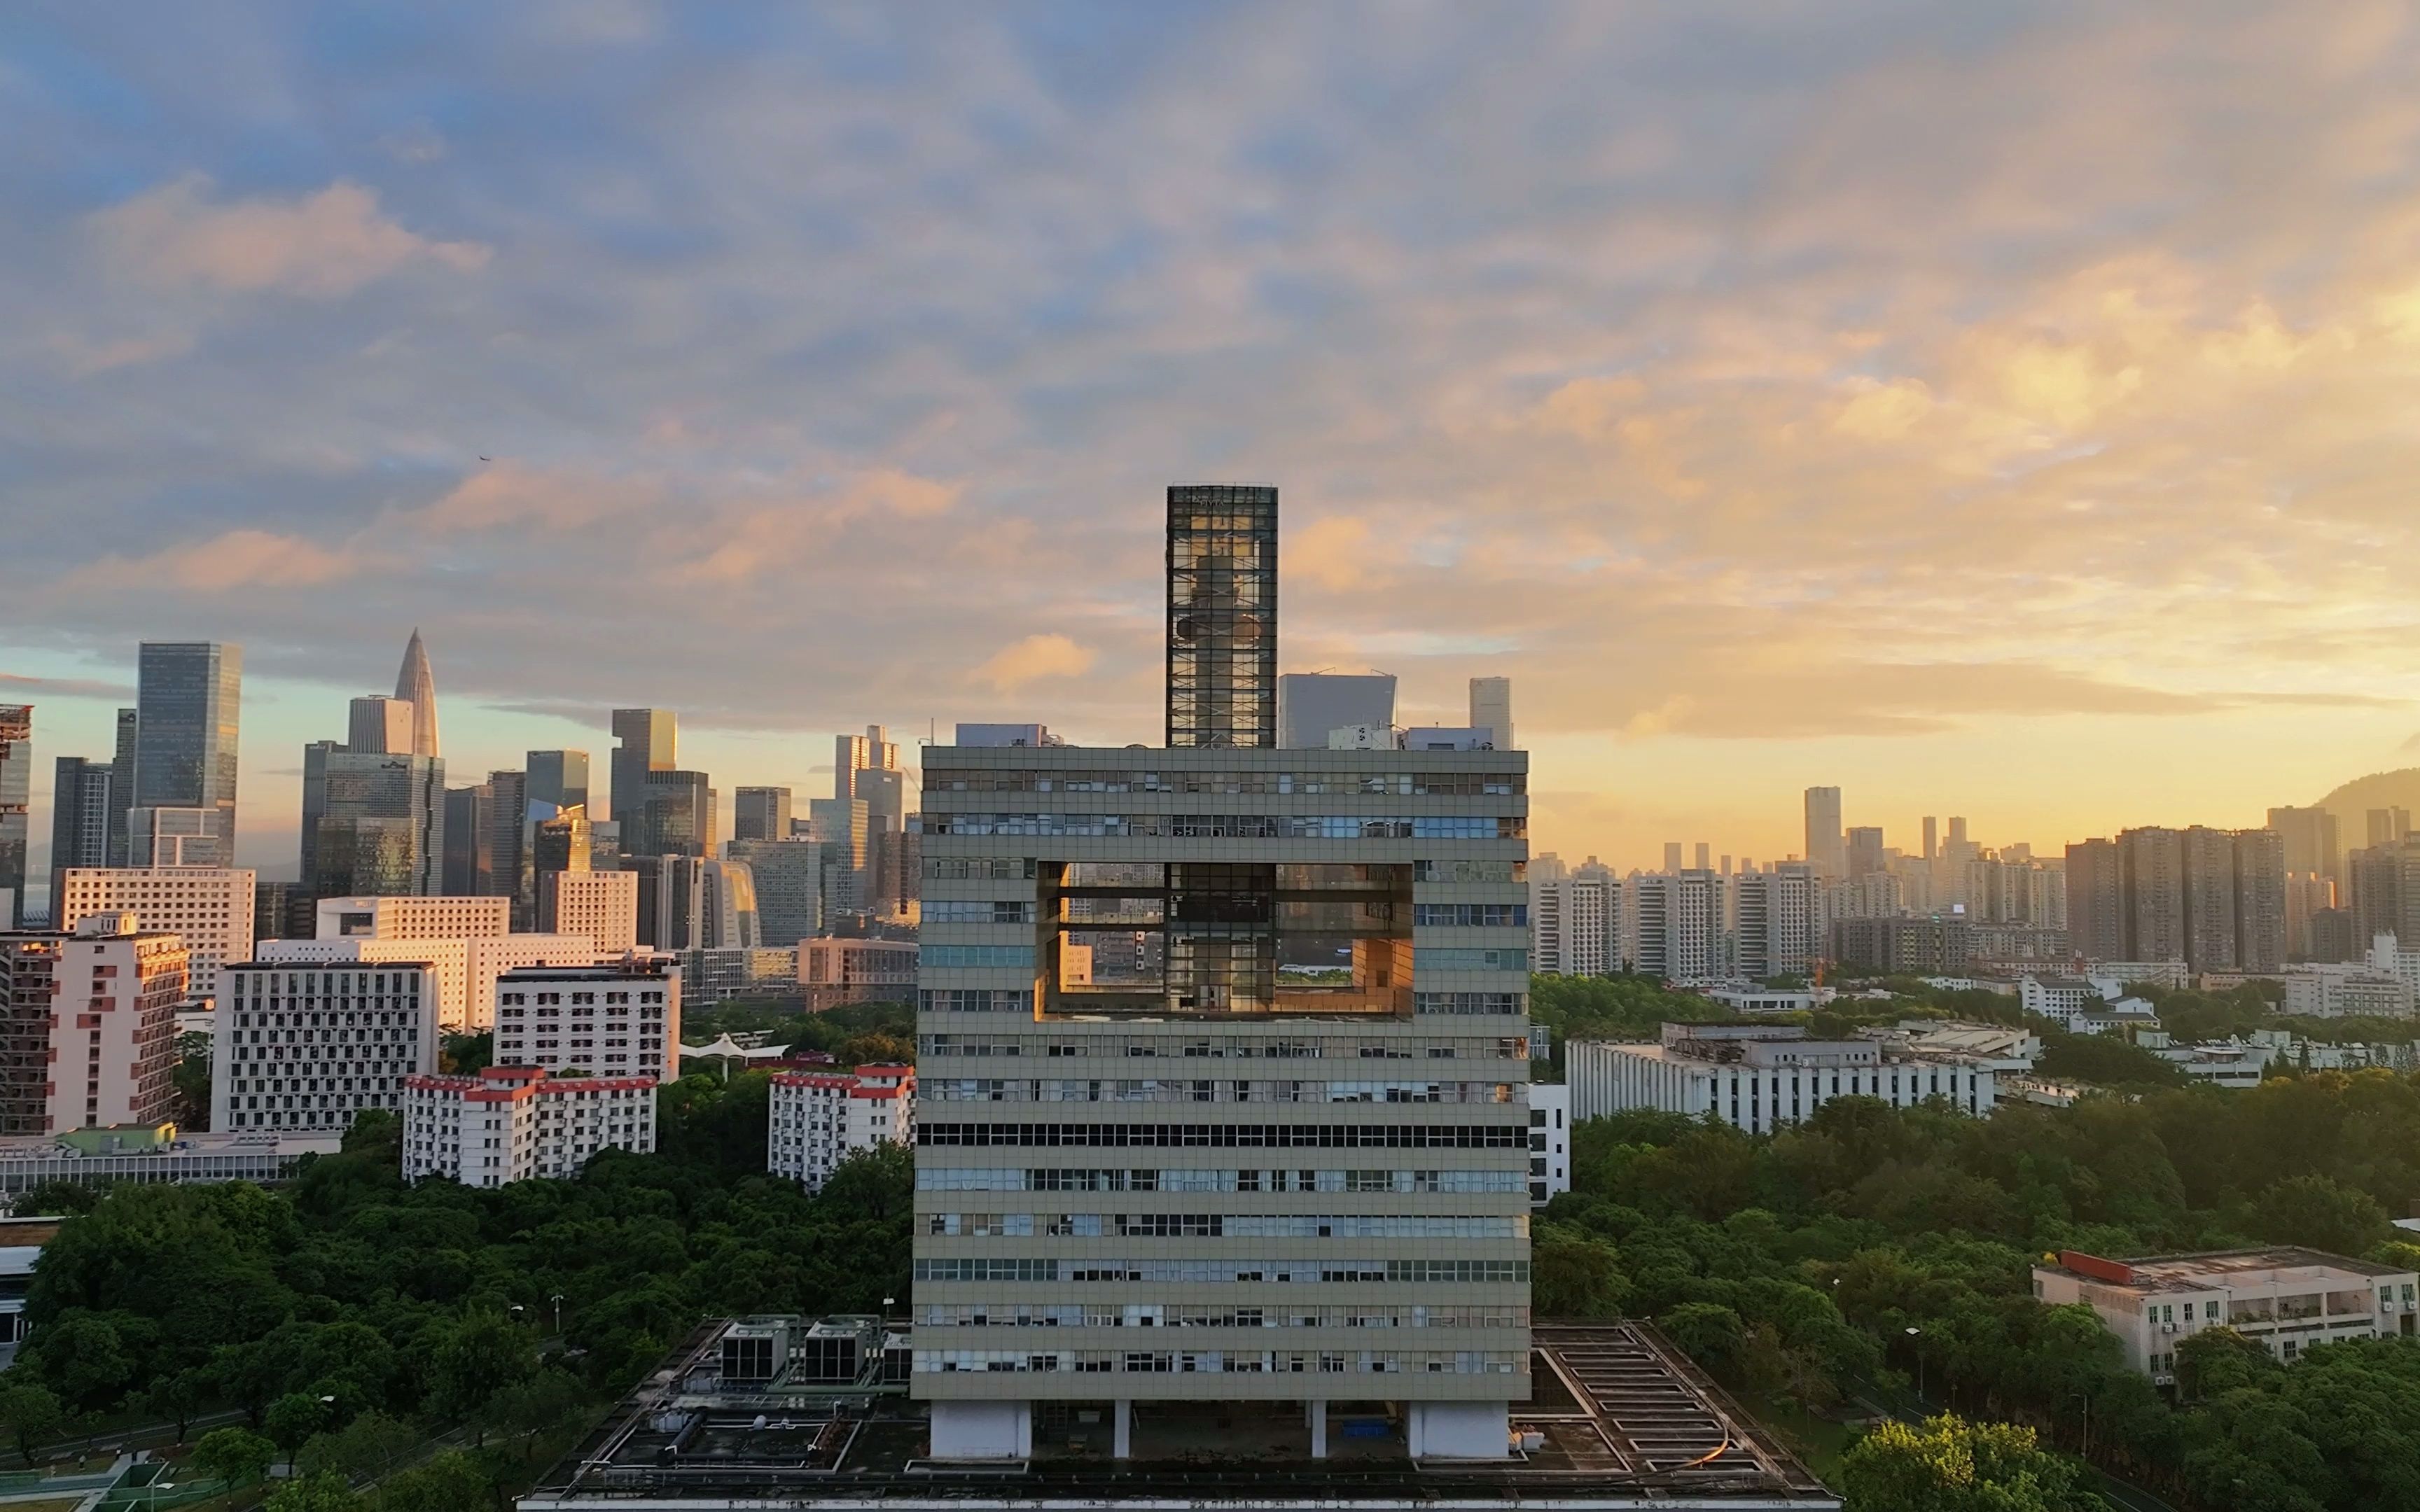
(1617, 1419)
(2274, 1265)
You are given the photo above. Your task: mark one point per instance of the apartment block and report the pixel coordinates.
(2214, 899)
(820, 1118)
(466, 969)
(1781, 919)
(1576, 922)
(516, 1123)
(207, 907)
(619, 1018)
(1681, 921)
(1758, 1077)
(602, 905)
(438, 917)
(89, 1034)
(311, 1044)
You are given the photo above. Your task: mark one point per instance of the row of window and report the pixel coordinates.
(1228, 1048)
(1019, 957)
(1473, 1004)
(1234, 826)
(1168, 1089)
(1223, 1362)
(1024, 868)
(1398, 784)
(1084, 1178)
(1205, 1314)
(1221, 1272)
(1229, 1135)
(1218, 1226)
(977, 911)
(1469, 916)
(1448, 958)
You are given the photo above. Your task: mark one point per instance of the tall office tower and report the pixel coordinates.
(380, 727)
(107, 1054)
(374, 823)
(561, 842)
(1865, 851)
(843, 828)
(1827, 848)
(676, 817)
(2096, 927)
(414, 686)
(646, 740)
(1313, 705)
(2389, 827)
(504, 863)
(79, 805)
(121, 782)
(189, 696)
(789, 886)
(2259, 867)
(358, 1028)
(1782, 928)
(602, 905)
(1491, 709)
(208, 908)
(1932, 837)
(16, 793)
(559, 778)
(1681, 920)
(902, 875)
(727, 910)
(1285, 947)
(873, 751)
(2314, 840)
(462, 838)
(670, 900)
(760, 813)
(1223, 616)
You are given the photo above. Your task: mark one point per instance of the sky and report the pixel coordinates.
(2006, 410)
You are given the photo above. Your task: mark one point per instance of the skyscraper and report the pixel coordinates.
(462, 839)
(1782, 927)
(676, 817)
(761, 813)
(375, 822)
(1932, 837)
(1222, 615)
(1825, 848)
(503, 861)
(2313, 840)
(80, 804)
(1865, 851)
(16, 792)
(414, 686)
(873, 751)
(559, 778)
(189, 697)
(2096, 928)
(122, 775)
(647, 740)
(1491, 708)
(380, 727)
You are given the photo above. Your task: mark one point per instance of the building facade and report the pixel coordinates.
(836, 971)
(1780, 920)
(1680, 922)
(516, 1123)
(82, 795)
(16, 793)
(2285, 1298)
(620, 1019)
(820, 1118)
(189, 699)
(1311, 705)
(602, 905)
(114, 1025)
(208, 908)
(1758, 1077)
(311, 1044)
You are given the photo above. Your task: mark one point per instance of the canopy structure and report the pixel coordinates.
(727, 1048)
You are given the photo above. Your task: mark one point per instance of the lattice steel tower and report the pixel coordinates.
(1222, 615)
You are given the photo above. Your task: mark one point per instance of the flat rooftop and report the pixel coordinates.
(2275, 1265)
(1621, 1420)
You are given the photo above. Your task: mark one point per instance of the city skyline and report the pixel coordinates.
(1860, 438)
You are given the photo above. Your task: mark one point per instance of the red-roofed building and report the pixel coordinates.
(509, 1123)
(820, 1118)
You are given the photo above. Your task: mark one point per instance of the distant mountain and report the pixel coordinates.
(2352, 802)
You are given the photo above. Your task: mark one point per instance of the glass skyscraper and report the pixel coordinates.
(189, 696)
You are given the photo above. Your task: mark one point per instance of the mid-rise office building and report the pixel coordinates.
(618, 1019)
(558, 779)
(82, 795)
(189, 699)
(820, 1118)
(311, 1044)
(1313, 705)
(761, 814)
(90, 1039)
(843, 827)
(416, 686)
(1760, 1076)
(2345, 990)
(516, 1123)
(677, 816)
(208, 908)
(16, 793)
(727, 906)
(1335, 934)
(601, 905)
(2283, 1298)
(1826, 846)
(465, 967)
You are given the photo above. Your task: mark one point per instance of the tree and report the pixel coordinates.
(474, 1358)
(2322, 1214)
(1951, 1465)
(531, 1408)
(364, 1447)
(452, 1482)
(178, 1396)
(31, 1411)
(83, 1356)
(234, 1455)
(1708, 1332)
(57, 1198)
(1574, 1276)
(2220, 1360)
(322, 1492)
(293, 1418)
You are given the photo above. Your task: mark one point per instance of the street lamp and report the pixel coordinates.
(886, 1302)
(557, 1300)
(1917, 1335)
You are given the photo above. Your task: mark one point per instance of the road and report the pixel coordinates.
(148, 1436)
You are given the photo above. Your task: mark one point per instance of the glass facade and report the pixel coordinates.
(188, 701)
(1222, 615)
(16, 786)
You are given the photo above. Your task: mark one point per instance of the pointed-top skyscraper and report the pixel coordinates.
(414, 683)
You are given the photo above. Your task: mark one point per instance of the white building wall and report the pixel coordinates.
(515, 1123)
(1550, 1140)
(1606, 1078)
(603, 906)
(112, 1050)
(413, 919)
(820, 1118)
(210, 908)
(620, 1020)
(310, 1045)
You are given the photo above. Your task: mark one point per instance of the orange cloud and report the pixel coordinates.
(321, 246)
(1034, 658)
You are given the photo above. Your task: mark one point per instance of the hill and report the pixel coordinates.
(2352, 802)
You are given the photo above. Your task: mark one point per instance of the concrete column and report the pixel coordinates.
(1318, 1411)
(1122, 1438)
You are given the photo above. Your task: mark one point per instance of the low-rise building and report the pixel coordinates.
(311, 1044)
(820, 1118)
(2283, 1298)
(1749, 997)
(512, 1123)
(2117, 1019)
(156, 1153)
(1550, 1141)
(1758, 1077)
(2170, 974)
(2343, 990)
(2059, 998)
(739, 971)
(833, 971)
(2219, 1062)
(412, 917)
(2006, 1051)
(619, 1018)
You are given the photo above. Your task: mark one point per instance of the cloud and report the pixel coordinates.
(321, 246)
(245, 558)
(65, 687)
(1034, 658)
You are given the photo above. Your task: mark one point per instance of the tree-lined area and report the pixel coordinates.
(350, 1317)
(1845, 1256)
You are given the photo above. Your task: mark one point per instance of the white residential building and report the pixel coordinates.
(1747, 997)
(467, 969)
(1679, 921)
(2059, 998)
(2390, 957)
(1576, 926)
(618, 1019)
(1780, 921)
(311, 1044)
(2341, 991)
(511, 1123)
(1758, 1077)
(1550, 1141)
(207, 907)
(820, 1118)
(413, 919)
(2285, 1298)
(603, 906)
